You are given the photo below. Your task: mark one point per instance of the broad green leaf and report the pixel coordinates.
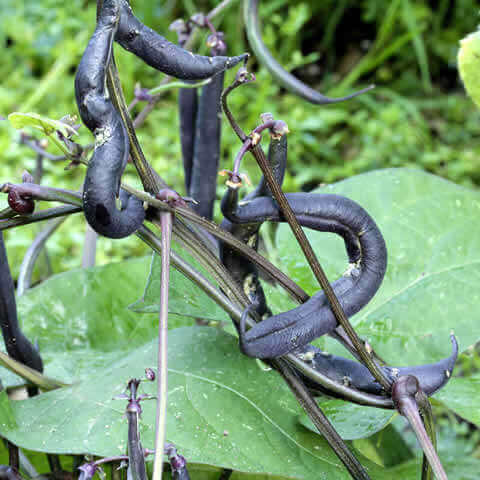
(456, 452)
(432, 283)
(469, 63)
(39, 122)
(352, 421)
(222, 410)
(461, 396)
(460, 468)
(185, 298)
(81, 319)
(387, 447)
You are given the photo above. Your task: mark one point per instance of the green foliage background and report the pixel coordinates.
(417, 116)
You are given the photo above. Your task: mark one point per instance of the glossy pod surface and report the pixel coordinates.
(102, 181)
(206, 154)
(282, 333)
(243, 271)
(431, 377)
(163, 55)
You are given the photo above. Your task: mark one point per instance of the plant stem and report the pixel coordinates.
(322, 423)
(307, 249)
(236, 311)
(40, 192)
(429, 422)
(290, 286)
(33, 252)
(39, 216)
(166, 220)
(89, 247)
(30, 374)
(179, 84)
(13, 455)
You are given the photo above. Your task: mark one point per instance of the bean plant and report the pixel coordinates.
(279, 356)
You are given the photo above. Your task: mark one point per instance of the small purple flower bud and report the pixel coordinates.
(27, 177)
(266, 117)
(279, 129)
(150, 374)
(178, 26)
(177, 462)
(21, 205)
(242, 74)
(142, 94)
(87, 470)
(198, 19)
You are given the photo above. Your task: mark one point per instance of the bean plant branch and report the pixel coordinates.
(33, 252)
(30, 374)
(162, 355)
(235, 311)
(40, 216)
(306, 247)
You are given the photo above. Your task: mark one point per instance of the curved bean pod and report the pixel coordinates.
(243, 271)
(18, 346)
(282, 333)
(432, 377)
(163, 55)
(102, 181)
(284, 78)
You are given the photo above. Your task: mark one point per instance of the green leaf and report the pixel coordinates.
(223, 410)
(351, 421)
(81, 320)
(469, 63)
(460, 395)
(39, 122)
(185, 298)
(456, 452)
(431, 286)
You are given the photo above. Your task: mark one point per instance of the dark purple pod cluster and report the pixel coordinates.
(116, 21)
(163, 55)
(431, 377)
(102, 181)
(200, 133)
(282, 333)
(245, 272)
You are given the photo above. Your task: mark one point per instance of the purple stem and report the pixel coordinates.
(403, 395)
(166, 220)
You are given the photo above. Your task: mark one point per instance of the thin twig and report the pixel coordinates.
(89, 247)
(235, 313)
(39, 216)
(306, 247)
(161, 420)
(33, 252)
